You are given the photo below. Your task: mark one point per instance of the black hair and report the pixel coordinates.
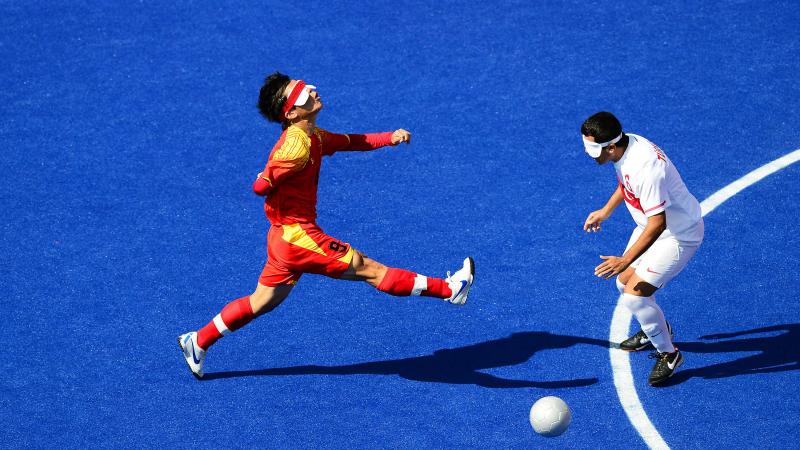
(603, 126)
(271, 98)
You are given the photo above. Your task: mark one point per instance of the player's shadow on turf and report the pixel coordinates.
(455, 366)
(778, 353)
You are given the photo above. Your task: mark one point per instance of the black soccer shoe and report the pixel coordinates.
(640, 341)
(666, 365)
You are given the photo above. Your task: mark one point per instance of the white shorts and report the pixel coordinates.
(664, 260)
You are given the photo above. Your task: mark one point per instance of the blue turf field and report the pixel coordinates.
(130, 138)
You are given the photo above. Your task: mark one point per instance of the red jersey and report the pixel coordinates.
(291, 176)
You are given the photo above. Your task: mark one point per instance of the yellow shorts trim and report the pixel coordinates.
(295, 235)
(348, 257)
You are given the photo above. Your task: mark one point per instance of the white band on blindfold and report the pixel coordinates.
(595, 148)
(303, 97)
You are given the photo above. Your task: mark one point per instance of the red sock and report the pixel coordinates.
(437, 287)
(233, 316)
(403, 283)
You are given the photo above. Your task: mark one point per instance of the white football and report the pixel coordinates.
(550, 416)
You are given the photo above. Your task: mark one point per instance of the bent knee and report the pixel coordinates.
(626, 276)
(367, 268)
(258, 296)
(620, 285)
(357, 263)
(637, 286)
(259, 300)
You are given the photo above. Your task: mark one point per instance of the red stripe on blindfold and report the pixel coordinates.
(296, 91)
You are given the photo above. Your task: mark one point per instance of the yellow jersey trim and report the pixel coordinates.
(296, 148)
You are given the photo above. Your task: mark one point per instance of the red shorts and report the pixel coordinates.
(302, 248)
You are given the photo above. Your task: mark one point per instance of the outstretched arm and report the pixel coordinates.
(333, 142)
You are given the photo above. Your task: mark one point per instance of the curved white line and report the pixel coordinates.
(621, 320)
(623, 380)
(751, 178)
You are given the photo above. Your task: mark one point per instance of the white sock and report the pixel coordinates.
(651, 319)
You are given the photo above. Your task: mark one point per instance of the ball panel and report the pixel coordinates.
(550, 416)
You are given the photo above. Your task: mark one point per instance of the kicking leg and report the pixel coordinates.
(399, 282)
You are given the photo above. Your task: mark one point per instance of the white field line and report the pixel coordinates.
(621, 320)
(717, 198)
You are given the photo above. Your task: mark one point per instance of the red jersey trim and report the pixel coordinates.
(630, 198)
(654, 207)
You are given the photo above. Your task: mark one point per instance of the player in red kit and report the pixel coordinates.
(295, 243)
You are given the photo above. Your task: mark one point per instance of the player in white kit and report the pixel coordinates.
(669, 230)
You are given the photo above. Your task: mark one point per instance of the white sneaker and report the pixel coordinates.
(193, 353)
(460, 282)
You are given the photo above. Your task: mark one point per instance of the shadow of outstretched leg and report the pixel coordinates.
(461, 365)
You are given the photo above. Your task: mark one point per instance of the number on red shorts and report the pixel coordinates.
(336, 246)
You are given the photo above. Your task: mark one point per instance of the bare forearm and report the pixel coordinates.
(614, 201)
(592, 223)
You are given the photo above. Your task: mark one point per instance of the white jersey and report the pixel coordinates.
(651, 185)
